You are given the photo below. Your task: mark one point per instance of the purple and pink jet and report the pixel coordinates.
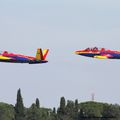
(5, 56)
(101, 53)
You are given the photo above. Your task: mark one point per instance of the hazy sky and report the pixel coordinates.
(62, 26)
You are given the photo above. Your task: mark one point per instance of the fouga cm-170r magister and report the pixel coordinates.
(99, 53)
(5, 56)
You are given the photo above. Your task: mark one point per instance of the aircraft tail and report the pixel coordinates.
(41, 55)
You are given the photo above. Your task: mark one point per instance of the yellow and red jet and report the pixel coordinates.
(5, 56)
(99, 53)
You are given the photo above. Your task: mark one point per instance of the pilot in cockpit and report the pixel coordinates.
(5, 52)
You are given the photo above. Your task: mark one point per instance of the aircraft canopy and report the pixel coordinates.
(95, 49)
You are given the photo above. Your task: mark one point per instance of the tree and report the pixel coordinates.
(70, 110)
(81, 115)
(92, 109)
(76, 110)
(76, 106)
(111, 111)
(37, 103)
(33, 113)
(19, 107)
(54, 110)
(7, 112)
(61, 112)
(53, 115)
(61, 109)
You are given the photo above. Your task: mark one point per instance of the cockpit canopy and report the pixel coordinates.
(5, 52)
(95, 49)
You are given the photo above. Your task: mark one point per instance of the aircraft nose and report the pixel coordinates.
(77, 52)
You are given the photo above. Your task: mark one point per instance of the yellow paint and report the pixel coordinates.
(4, 58)
(39, 54)
(86, 52)
(44, 51)
(100, 57)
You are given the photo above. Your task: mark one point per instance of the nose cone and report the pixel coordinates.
(78, 52)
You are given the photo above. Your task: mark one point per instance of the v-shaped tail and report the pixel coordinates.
(41, 55)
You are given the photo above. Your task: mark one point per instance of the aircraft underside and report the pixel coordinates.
(29, 62)
(113, 56)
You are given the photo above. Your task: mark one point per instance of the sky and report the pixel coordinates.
(62, 26)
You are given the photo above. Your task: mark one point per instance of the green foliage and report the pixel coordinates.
(19, 107)
(76, 105)
(72, 110)
(53, 115)
(37, 103)
(54, 110)
(61, 109)
(111, 111)
(7, 112)
(91, 109)
(33, 113)
(61, 112)
(45, 114)
(76, 111)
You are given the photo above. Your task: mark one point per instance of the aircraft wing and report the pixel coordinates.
(103, 56)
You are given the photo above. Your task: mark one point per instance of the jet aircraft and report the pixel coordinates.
(5, 56)
(101, 53)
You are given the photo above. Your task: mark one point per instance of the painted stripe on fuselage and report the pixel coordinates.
(115, 56)
(89, 54)
(13, 61)
(21, 61)
(17, 58)
(4, 58)
(100, 57)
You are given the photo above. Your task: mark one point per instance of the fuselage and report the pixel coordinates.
(18, 58)
(99, 53)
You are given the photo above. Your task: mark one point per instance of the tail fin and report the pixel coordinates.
(41, 55)
(45, 52)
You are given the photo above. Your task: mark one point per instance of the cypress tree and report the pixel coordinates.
(54, 110)
(61, 109)
(37, 103)
(19, 107)
(76, 110)
(76, 105)
(62, 103)
(53, 114)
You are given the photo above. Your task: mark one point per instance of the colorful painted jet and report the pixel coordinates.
(99, 53)
(5, 56)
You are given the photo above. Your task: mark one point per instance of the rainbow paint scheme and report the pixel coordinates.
(99, 53)
(5, 56)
